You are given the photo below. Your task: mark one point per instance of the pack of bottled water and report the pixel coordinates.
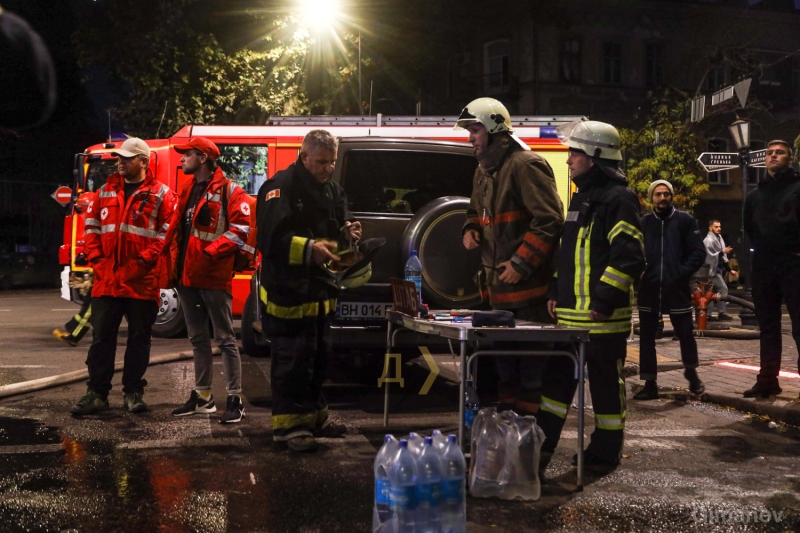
(420, 485)
(505, 452)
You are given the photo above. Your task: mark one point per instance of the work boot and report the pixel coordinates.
(648, 392)
(764, 388)
(65, 337)
(544, 462)
(725, 317)
(134, 403)
(329, 431)
(593, 460)
(91, 403)
(196, 405)
(302, 444)
(696, 386)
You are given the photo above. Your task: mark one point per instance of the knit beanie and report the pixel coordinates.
(655, 184)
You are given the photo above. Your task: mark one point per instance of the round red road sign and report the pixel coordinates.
(63, 195)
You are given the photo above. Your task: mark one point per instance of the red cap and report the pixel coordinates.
(199, 143)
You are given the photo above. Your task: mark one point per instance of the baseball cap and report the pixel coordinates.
(199, 143)
(131, 147)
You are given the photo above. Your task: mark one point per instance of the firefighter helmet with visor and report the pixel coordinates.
(487, 111)
(595, 139)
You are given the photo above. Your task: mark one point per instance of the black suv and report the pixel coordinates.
(414, 193)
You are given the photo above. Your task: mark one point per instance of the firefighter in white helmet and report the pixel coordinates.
(515, 218)
(600, 255)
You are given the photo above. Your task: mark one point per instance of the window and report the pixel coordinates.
(571, 61)
(717, 78)
(612, 63)
(99, 171)
(654, 65)
(246, 164)
(721, 177)
(393, 181)
(496, 65)
(756, 174)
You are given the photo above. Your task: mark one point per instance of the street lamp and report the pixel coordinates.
(740, 131)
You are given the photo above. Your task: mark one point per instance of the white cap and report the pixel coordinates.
(133, 146)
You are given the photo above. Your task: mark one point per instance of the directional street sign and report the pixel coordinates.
(716, 161)
(757, 158)
(62, 195)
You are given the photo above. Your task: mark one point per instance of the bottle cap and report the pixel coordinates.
(452, 438)
(428, 441)
(403, 443)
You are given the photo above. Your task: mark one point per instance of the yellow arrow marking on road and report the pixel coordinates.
(434, 370)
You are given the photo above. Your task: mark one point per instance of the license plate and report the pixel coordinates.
(361, 310)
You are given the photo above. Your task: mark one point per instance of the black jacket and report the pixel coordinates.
(293, 211)
(772, 218)
(673, 250)
(600, 255)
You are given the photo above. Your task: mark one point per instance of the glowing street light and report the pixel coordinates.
(319, 14)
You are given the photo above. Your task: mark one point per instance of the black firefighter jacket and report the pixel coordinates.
(293, 211)
(772, 219)
(673, 250)
(516, 208)
(600, 255)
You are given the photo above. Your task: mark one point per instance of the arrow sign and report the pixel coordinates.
(716, 161)
(758, 158)
(62, 195)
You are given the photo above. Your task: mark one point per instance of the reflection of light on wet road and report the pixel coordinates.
(782, 373)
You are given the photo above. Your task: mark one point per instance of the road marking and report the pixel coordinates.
(5, 310)
(651, 443)
(23, 366)
(183, 443)
(33, 448)
(70, 310)
(434, 370)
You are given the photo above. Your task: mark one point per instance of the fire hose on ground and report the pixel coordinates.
(701, 297)
(79, 375)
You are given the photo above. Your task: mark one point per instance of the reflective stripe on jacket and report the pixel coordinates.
(211, 250)
(600, 256)
(122, 231)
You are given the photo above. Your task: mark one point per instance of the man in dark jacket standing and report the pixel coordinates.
(772, 222)
(515, 217)
(600, 256)
(673, 251)
(301, 215)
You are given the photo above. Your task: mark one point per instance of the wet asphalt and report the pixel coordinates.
(688, 466)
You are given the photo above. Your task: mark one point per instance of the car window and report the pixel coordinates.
(99, 171)
(401, 181)
(246, 164)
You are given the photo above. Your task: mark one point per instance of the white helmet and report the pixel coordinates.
(489, 112)
(595, 139)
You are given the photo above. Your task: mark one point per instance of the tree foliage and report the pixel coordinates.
(665, 146)
(174, 72)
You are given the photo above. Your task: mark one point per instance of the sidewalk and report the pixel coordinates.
(727, 367)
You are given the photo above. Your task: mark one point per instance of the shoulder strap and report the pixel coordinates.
(225, 201)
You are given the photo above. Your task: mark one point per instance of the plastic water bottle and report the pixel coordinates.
(403, 489)
(439, 441)
(415, 442)
(454, 490)
(381, 514)
(413, 272)
(429, 478)
(471, 407)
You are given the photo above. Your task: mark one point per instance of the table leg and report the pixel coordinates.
(389, 346)
(461, 394)
(581, 363)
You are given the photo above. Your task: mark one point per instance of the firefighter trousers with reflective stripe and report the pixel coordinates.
(604, 360)
(80, 323)
(300, 353)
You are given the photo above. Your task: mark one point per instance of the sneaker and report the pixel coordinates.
(725, 317)
(330, 431)
(65, 337)
(696, 386)
(648, 392)
(234, 411)
(91, 403)
(134, 403)
(302, 444)
(763, 390)
(196, 404)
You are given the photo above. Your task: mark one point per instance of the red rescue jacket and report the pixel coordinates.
(120, 231)
(211, 250)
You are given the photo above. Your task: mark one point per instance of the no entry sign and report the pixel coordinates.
(62, 195)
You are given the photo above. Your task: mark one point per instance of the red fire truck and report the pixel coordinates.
(397, 148)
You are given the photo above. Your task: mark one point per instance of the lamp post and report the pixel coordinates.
(740, 131)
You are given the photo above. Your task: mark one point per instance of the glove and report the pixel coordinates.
(81, 260)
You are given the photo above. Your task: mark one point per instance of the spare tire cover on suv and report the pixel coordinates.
(448, 269)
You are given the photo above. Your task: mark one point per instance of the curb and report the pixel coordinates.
(778, 410)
